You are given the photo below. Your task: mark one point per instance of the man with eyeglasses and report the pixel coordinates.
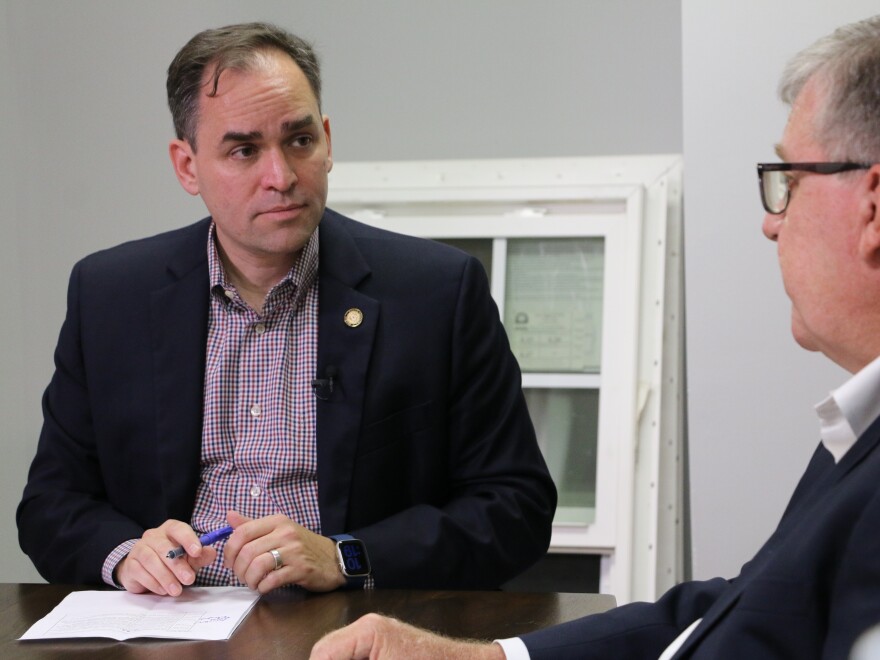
(814, 587)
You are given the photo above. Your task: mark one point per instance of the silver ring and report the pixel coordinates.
(276, 556)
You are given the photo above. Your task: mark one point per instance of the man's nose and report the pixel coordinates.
(772, 223)
(278, 173)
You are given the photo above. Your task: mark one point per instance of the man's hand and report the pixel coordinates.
(146, 567)
(307, 559)
(379, 638)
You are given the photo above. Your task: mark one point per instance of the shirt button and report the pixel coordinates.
(256, 410)
(255, 491)
(260, 328)
(229, 293)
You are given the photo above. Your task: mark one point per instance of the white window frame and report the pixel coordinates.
(628, 202)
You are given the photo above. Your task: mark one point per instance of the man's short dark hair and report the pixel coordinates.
(231, 47)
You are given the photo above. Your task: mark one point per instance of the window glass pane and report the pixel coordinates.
(553, 303)
(567, 423)
(481, 248)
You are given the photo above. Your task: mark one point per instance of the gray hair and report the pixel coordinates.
(237, 47)
(846, 63)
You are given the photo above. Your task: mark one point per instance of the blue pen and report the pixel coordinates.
(204, 539)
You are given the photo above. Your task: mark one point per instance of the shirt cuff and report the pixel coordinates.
(119, 553)
(514, 648)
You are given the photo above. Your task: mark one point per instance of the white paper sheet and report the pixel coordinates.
(198, 613)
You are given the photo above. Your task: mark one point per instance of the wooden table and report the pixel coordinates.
(287, 624)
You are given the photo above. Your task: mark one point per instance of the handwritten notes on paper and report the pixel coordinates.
(198, 613)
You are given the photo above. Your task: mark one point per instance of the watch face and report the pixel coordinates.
(353, 558)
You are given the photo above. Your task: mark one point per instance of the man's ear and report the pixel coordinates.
(326, 121)
(184, 164)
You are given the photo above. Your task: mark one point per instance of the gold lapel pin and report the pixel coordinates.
(353, 317)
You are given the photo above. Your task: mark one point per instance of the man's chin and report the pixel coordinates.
(803, 338)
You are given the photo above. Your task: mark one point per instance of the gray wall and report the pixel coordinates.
(751, 388)
(83, 161)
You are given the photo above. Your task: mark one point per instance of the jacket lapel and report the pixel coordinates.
(857, 453)
(179, 319)
(345, 350)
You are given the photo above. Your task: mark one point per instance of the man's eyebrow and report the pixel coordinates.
(299, 124)
(779, 151)
(286, 127)
(235, 136)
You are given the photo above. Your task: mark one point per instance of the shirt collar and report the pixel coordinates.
(297, 281)
(849, 410)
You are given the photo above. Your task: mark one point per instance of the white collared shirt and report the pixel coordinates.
(844, 415)
(849, 410)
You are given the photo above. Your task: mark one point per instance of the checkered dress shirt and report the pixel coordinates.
(258, 434)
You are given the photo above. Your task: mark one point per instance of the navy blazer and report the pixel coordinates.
(425, 448)
(808, 593)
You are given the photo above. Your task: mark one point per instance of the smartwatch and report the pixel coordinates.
(351, 553)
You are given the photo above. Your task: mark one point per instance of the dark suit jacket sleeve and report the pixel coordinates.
(638, 630)
(66, 524)
(450, 490)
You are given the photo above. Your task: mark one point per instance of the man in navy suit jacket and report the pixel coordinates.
(814, 587)
(415, 441)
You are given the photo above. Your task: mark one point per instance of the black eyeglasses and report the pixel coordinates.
(775, 185)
